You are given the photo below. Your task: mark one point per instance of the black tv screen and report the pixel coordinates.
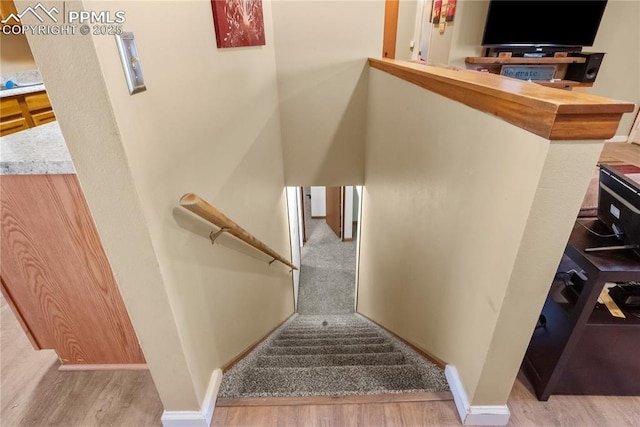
(542, 23)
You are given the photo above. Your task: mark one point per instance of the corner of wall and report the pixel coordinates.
(493, 415)
(201, 418)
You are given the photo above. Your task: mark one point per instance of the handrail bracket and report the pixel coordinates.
(215, 234)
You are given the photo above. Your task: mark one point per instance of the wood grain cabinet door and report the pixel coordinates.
(334, 209)
(57, 274)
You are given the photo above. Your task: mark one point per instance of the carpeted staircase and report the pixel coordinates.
(331, 355)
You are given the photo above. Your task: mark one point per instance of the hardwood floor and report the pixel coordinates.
(526, 411)
(33, 393)
(621, 152)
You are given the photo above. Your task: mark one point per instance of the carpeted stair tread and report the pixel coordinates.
(294, 361)
(327, 322)
(328, 341)
(306, 329)
(334, 379)
(330, 355)
(331, 349)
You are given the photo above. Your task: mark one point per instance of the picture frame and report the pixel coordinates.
(238, 23)
(437, 8)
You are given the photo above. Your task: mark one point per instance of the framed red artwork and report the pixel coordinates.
(448, 10)
(238, 23)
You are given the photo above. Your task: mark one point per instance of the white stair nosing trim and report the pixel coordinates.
(200, 418)
(477, 415)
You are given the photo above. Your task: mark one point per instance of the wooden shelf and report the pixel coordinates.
(563, 84)
(494, 65)
(550, 113)
(520, 60)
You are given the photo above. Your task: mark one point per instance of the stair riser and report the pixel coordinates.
(290, 381)
(325, 335)
(332, 349)
(336, 327)
(329, 322)
(316, 360)
(328, 341)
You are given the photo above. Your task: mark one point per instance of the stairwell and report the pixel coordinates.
(327, 349)
(313, 355)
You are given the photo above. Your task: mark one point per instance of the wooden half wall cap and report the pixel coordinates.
(553, 114)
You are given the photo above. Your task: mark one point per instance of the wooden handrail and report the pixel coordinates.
(200, 207)
(551, 113)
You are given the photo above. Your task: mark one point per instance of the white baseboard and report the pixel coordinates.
(618, 138)
(495, 415)
(200, 418)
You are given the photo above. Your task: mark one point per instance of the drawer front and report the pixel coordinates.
(44, 117)
(37, 101)
(12, 126)
(10, 107)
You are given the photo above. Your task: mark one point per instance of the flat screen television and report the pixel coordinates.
(570, 25)
(619, 203)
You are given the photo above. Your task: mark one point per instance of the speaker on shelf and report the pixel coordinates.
(587, 71)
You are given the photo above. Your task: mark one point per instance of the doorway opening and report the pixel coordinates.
(325, 241)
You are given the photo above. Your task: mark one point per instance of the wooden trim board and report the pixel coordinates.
(336, 400)
(423, 353)
(105, 367)
(249, 349)
(550, 113)
(520, 60)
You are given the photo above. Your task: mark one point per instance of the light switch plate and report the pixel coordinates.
(130, 62)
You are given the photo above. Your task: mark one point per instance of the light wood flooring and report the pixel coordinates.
(34, 393)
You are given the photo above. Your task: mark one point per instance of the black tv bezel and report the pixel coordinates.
(537, 47)
(620, 187)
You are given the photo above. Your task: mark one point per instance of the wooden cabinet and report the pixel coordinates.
(21, 112)
(579, 347)
(11, 117)
(7, 7)
(56, 276)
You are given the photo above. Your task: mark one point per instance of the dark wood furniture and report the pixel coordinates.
(578, 347)
(494, 64)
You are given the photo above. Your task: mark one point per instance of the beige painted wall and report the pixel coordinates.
(15, 54)
(321, 52)
(407, 10)
(467, 33)
(619, 37)
(208, 123)
(442, 274)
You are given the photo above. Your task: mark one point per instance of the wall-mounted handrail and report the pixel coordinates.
(200, 207)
